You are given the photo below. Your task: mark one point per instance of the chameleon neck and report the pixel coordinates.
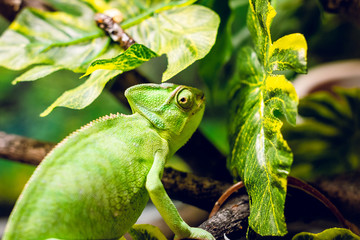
(177, 140)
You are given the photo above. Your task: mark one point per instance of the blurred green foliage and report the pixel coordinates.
(327, 140)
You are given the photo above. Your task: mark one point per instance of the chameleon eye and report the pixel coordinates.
(185, 99)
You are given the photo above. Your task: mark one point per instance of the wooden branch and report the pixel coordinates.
(231, 219)
(201, 192)
(22, 149)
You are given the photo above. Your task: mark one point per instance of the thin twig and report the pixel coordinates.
(114, 30)
(225, 196)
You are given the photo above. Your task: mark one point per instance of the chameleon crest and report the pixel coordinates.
(97, 181)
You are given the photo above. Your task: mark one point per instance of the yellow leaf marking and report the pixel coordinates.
(280, 82)
(295, 41)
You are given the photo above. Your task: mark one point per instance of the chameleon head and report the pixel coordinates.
(175, 111)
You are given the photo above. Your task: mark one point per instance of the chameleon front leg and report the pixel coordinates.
(164, 204)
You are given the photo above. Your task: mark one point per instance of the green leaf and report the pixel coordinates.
(260, 16)
(260, 99)
(133, 57)
(184, 34)
(259, 154)
(143, 9)
(87, 92)
(36, 73)
(288, 52)
(69, 38)
(84, 94)
(53, 38)
(328, 138)
(328, 234)
(146, 232)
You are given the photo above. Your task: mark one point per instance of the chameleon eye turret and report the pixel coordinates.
(184, 99)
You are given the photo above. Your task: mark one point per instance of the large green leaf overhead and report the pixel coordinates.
(52, 38)
(259, 99)
(184, 34)
(69, 39)
(133, 57)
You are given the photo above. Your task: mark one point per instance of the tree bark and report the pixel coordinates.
(22, 149)
(201, 192)
(231, 219)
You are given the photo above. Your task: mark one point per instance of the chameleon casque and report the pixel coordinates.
(96, 182)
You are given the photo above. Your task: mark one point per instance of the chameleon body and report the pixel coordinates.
(96, 182)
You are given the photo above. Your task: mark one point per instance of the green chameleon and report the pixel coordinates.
(96, 182)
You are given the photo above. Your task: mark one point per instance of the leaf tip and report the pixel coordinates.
(88, 72)
(47, 111)
(164, 79)
(84, 75)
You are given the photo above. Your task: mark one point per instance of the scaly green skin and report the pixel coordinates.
(96, 182)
